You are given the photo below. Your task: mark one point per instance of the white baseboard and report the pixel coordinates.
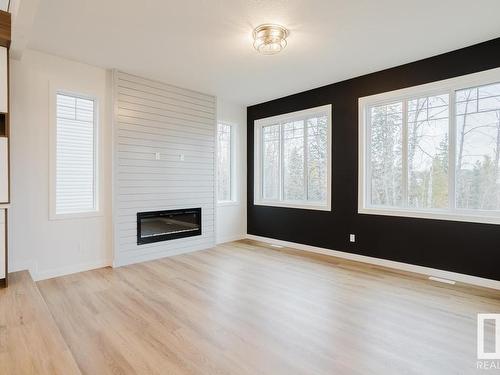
(67, 270)
(37, 275)
(225, 239)
(30, 266)
(467, 279)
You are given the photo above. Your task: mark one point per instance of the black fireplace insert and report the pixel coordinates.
(158, 226)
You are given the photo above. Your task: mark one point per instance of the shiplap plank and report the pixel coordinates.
(148, 156)
(175, 124)
(160, 87)
(162, 97)
(174, 137)
(157, 113)
(130, 140)
(162, 150)
(159, 178)
(132, 207)
(209, 144)
(162, 171)
(140, 190)
(126, 239)
(156, 104)
(180, 134)
(158, 247)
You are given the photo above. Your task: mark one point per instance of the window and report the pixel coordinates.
(225, 163)
(293, 159)
(433, 150)
(75, 156)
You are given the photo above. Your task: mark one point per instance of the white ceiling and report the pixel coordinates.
(206, 45)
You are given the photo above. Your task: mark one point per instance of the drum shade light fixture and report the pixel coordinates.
(269, 39)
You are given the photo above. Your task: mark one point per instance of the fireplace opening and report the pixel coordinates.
(158, 226)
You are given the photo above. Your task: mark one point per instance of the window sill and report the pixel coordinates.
(228, 203)
(300, 206)
(467, 217)
(78, 215)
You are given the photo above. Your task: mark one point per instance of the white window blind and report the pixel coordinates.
(75, 155)
(224, 161)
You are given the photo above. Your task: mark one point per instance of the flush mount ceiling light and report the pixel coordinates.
(269, 39)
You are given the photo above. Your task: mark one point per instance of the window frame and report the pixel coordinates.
(81, 93)
(258, 178)
(448, 86)
(233, 200)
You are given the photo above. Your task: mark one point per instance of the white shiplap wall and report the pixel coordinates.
(151, 117)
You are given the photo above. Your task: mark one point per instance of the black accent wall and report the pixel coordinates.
(467, 248)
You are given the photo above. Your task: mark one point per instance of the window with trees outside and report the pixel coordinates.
(433, 151)
(293, 159)
(224, 163)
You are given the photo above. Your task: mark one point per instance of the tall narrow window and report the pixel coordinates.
(75, 155)
(292, 159)
(433, 151)
(224, 163)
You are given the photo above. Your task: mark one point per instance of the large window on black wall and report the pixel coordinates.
(433, 151)
(293, 158)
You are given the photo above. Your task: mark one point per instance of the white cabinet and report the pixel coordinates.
(4, 91)
(2, 244)
(4, 170)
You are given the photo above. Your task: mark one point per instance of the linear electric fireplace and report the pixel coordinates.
(167, 225)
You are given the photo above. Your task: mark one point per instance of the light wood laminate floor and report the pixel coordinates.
(30, 342)
(245, 308)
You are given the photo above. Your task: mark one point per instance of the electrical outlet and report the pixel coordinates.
(181, 156)
(352, 237)
(157, 156)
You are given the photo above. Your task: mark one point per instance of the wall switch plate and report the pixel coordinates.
(157, 155)
(181, 156)
(352, 237)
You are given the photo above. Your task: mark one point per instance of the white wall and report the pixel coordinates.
(232, 217)
(178, 124)
(52, 247)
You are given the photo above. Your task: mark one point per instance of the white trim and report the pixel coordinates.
(233, 182)
(227, 203)
(441, 280)
(23, 265)
(275, 120)
(32, 268)
(454, 276)
(295, 204)
(80, 92)
(434, 215)
(233, 238)
(68, 270)
(113, 108)
(449, 86)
